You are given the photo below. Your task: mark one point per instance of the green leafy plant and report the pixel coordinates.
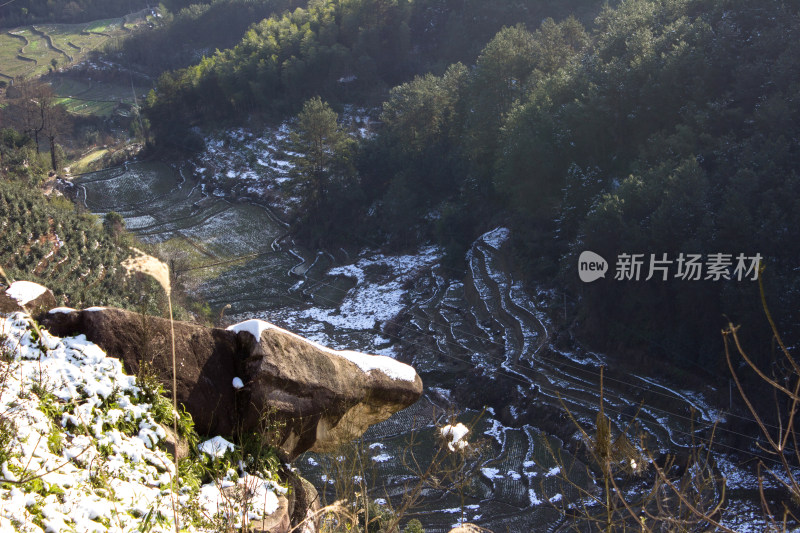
(7, 430)
(414, 526)
(55, 439)
(186, 428)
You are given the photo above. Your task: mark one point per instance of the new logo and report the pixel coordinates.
(591, 267)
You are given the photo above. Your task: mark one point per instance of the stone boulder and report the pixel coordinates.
(304, 502)
(325, 397)
(299, 506)
(26, 297)
(277, 522)
(253, 376)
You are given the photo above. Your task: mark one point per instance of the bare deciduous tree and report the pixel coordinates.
(778, 428)
(37, 114)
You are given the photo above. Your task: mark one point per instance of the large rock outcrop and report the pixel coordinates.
(326, 396)
(302, 395)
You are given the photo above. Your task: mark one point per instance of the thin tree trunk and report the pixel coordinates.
(53, 160)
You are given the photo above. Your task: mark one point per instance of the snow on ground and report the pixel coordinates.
(80, 446)
(553, 471)
(693, 398)
(491, 473)
(139, 222)
(744, 476)
(374, 300)
(533, 498)
(745, 517)
(378, 296)
(497, 431)
(496, 237)
(258, 163)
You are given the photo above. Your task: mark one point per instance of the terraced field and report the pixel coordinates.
(500, 305)
(209, 236)
(85, 97)
(31, 50)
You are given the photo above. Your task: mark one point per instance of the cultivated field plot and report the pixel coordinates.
(32, 50)
(85, 97)
(224, 247)
(76, 39)
(25, 53)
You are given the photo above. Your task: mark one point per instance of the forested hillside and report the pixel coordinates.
(667, 127)
(662, 127)
(38, 11)
(342, 50)
(181, 38)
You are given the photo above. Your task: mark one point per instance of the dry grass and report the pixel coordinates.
(150, 266)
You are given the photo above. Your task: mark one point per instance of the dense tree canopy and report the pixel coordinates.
(200, 27)
(323, 177)
(38, 11)
(342, 50)
(671, 127)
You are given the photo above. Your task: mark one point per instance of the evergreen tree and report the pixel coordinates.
(323, 175)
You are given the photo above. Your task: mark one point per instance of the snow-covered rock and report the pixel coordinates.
(26, 296)
(227, 379)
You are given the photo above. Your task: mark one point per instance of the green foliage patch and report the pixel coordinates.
(339, 50)
(664, 129)
(49, 242)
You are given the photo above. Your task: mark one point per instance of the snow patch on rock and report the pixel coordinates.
(254, 327)
(216, 447)
(25, 292)
(367, 363)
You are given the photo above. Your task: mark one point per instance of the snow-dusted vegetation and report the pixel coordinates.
(254, 164)
(82, 448)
